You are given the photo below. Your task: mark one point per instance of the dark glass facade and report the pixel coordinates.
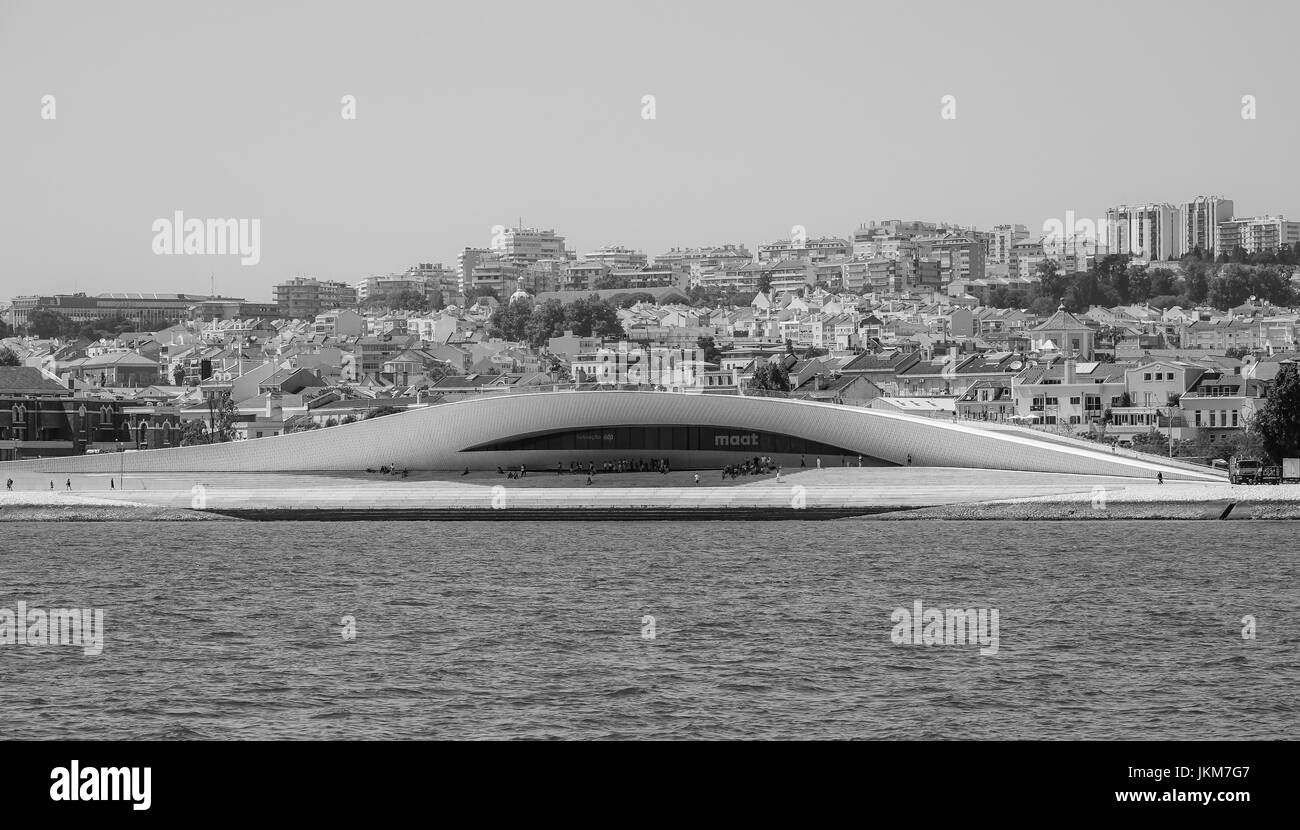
(650, 439)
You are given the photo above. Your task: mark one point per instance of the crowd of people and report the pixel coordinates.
(625, 465)
(755, 466)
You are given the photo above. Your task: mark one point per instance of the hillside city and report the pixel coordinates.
(1160, 328)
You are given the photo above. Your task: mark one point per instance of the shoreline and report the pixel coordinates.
(1216, 510)
(904, 494)
(102, 513)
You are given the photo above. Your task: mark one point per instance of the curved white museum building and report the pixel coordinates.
(691, 431)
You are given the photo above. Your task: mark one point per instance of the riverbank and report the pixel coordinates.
(59, 507)
(1073, 511)
(882, 494)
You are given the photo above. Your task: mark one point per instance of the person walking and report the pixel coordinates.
(909, 459)
(111, 484)
(9, 485)
(697, 478)
(819, 462)
(1160, 478)
(69, 484)
(803, 462)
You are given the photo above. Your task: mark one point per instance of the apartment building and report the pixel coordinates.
(305, 297)
(1151, 231)
(1218, 335)
(1199, 221)
(960, 256)
(522, 246)
(1000, 244)
(1256, 234)
(823, 249)
(616, 256)
(1068, 392)
(1220, 404)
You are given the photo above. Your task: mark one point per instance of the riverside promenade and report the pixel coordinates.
(884, 493)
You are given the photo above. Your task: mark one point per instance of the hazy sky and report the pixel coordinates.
(471, 115)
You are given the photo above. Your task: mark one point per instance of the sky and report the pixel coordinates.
(766, 116)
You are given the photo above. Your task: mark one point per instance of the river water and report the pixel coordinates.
(1106, 630)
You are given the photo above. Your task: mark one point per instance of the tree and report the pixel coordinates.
(381, 411)
(510, 321)
(1110, 280)
(8, 358)
(770, 376)
(194, 432)
(1043, 307)
(629, 300)
(221, 418)
(46, 324)
(1198, 282)
(105, 328)
(1054, 283)
(5, 329)
(1138, 282)
(545, 321)
(1278, 422)
(592, 317)
(712, 354)
(1162, 281)
(407, 299)
(1229, 288)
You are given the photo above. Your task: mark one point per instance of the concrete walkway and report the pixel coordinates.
(836, 491)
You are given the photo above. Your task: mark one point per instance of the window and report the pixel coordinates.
(1146, 376)
(1051, 401)
(1074, 400)
(659, 438)
(1234, 417)
(1198, 417)
(1212, 417)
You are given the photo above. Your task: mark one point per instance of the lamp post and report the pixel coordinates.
(1171, 431)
